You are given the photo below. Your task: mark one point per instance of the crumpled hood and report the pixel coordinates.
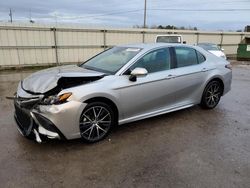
(46, 80)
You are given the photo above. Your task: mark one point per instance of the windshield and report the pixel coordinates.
(110, 61)
(209, 47)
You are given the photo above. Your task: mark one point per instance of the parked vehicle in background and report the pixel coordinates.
(213, 48)
(170, 39)
(120, 85)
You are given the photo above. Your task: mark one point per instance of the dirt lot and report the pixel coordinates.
(188, 148)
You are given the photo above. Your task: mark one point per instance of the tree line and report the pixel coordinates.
(167, 27)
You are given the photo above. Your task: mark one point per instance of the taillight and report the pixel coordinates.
(229, 66)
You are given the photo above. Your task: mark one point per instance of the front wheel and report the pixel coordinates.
(96, 121)
(211, 95)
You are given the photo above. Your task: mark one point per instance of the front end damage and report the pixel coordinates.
(40, 113)
(33, 124)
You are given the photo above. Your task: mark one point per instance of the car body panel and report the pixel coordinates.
(131, 93)
(59, 115)
(218, 53)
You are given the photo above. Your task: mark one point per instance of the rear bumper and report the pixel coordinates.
(227, 82)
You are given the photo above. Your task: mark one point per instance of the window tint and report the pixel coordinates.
(154, 61)
(200, 57)
(185, 56)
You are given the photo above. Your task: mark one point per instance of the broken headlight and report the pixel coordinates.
(56, 99)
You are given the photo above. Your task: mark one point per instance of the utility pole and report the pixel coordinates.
(145, 13)
(31, 21)
(30, 15)
(10, 14)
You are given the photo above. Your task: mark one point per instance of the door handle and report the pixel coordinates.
(204, 69)
(170, 76)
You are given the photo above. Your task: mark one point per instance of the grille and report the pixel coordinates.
(23, 117)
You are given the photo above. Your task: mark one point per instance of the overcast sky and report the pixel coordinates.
(204, 14)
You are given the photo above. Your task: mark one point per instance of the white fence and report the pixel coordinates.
(29, 45)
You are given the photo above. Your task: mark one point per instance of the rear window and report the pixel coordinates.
(200, 57)
(185, 56)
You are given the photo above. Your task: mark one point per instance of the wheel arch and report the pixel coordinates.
(108, 102)
(216, 78)
(203, 103)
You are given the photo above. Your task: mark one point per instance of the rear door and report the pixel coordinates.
(190, 73)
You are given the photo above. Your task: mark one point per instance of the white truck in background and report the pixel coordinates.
(170, 39)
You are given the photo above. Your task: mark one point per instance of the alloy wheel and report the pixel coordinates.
(213, 94)
(95, 123)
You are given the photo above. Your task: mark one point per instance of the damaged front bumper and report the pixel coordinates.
(41, 122)
(33, 125)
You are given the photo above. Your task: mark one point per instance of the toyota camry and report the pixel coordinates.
(120, 85)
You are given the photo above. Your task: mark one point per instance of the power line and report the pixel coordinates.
(160, 9)
(200, 10)
(147, 9)
(110, 13)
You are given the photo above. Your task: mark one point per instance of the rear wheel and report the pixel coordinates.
(211, 95)
(96, 121)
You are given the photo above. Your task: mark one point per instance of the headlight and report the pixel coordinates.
(56, 99)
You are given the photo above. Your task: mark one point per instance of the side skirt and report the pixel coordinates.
(154, 113)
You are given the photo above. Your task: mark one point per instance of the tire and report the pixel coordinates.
(211, 95)
(96, 121)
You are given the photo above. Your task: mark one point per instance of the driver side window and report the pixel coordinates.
(155, 61)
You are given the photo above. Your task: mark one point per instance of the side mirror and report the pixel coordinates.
(222, 49)
(184, 42)
(137, 72)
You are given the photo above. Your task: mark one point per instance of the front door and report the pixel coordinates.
(152, 92)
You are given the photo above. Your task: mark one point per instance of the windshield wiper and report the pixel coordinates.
(97, 70)
(87, 67)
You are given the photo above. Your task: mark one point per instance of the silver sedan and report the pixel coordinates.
(120, 85)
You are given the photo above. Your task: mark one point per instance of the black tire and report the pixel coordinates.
(96, 121)
(211, 95)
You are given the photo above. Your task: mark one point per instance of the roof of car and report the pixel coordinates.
(153, 45)
(206, 43)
